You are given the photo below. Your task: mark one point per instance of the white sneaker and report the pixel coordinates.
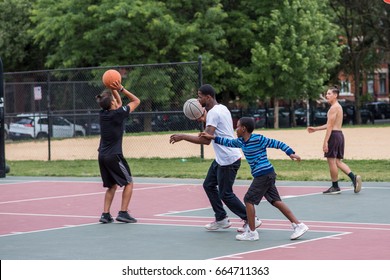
(225, 223)
(357, 183)
(245, 227)
(299, 230)
(248, 236)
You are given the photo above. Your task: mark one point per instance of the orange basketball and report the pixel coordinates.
(111, 76)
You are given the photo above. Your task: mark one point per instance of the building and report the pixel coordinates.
(375, 86)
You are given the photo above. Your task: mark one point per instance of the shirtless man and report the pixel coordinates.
(333, 146)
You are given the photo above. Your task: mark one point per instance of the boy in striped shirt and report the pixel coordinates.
(254, 147)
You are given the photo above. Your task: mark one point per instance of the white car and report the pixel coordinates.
(28, 126)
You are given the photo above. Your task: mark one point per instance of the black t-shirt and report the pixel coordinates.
(111, 127)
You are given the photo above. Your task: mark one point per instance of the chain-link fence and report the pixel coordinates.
(53, 114)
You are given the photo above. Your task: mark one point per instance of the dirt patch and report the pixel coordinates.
(361, 143)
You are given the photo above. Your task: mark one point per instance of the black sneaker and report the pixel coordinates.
(124, 217)
(106, 218)
(332, 190)
(357, 183)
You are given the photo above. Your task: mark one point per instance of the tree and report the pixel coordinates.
(251, 49)
(295, 49)
(16, 47)
(86, 33)
(92, 33)
(365, 28)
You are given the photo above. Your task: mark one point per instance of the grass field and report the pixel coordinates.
(306, 170)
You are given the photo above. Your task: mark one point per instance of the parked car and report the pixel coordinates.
(284, 117)
(35, 126)
(320, 116)
(134, 124)
(301, 116)
(260, 117)
(92, 128)
(91, 123)
(380, 110)
(349, 114)
(170, 121)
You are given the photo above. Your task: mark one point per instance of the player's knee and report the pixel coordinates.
(246, 200)
(207, 187)
(275, 203)
(226, 196)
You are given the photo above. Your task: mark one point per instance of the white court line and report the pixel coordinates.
(158, 187)
(49, 197)
(84, 194)
(347, 223)
(159, 220)
(48, 215)
(90, 182)
(279, 246)
(135, 189)
(356, 227)
(16, 183)
(183, 211)
(97, 217)
(201, 219)
(275, 222)
(173, 212)
(44, 230)
(88, 224)
(22, 182)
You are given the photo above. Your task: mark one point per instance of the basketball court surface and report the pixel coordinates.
(57, 219)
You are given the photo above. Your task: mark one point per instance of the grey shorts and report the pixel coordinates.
(262, 186)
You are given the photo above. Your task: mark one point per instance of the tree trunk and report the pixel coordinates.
(148, 118)
(276, 113)
(293, 121)
(357, 79)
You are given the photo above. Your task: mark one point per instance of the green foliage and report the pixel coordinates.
(157, 81)
(16, 48)
(365, 32)
(87, 33)
(296, 47)
(251, 49)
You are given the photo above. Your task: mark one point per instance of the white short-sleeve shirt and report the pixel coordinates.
(220, 118)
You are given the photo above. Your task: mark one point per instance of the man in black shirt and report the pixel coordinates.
(114, 169)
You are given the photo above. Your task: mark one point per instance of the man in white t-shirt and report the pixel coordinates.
(219, 181)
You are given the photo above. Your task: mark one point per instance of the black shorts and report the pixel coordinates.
(335, 145)
(114, 170)
(262, 186)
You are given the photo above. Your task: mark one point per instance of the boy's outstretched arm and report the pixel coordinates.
(295, 157)
(206, 135)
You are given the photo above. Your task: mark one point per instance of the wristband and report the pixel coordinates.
(121, 89)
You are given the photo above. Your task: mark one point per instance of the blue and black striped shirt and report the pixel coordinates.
(255, 151)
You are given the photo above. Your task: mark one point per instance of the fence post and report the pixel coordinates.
(2, 148)
(50, 121)
(200, 78)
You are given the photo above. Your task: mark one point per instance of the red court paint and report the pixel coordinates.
(37, 206)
